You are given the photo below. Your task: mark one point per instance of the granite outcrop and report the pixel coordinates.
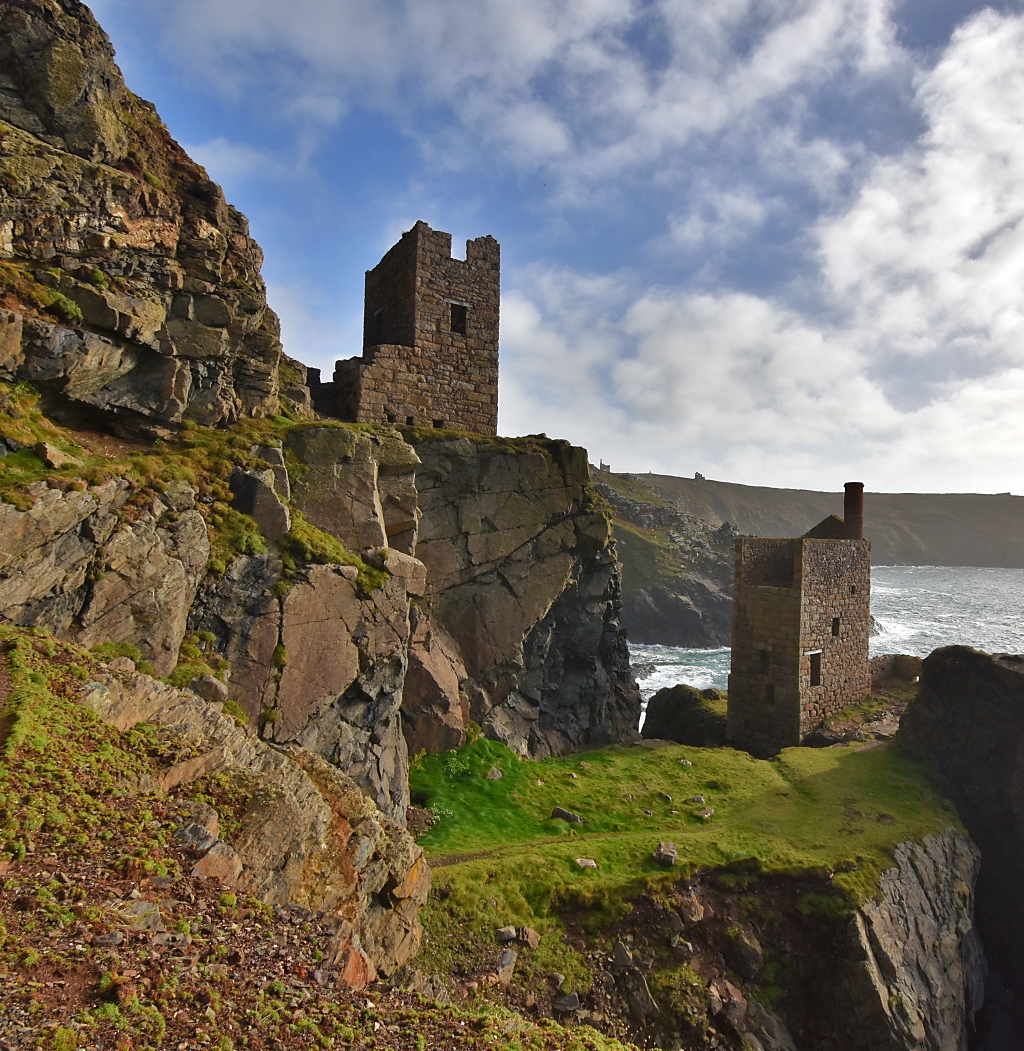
(522, 573)
(308, 834)
(131, 289)
(968, 722)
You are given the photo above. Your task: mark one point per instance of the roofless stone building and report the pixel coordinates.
(801, 621)
(430, 339)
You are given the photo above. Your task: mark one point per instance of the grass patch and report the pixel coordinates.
(809, 811)
(305, 544)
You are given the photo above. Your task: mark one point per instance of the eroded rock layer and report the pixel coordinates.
(132, 288)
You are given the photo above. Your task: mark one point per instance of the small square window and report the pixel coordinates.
(459, 318)
(410, 421)
(769, 694)
(853, 589)
(438, 424)
(835, 627)
(764, 660)
(392, 417)
(816, 669)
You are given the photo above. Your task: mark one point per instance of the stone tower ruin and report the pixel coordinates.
(430, 339)
(800, 627)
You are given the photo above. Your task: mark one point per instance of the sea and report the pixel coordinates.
(916, 610)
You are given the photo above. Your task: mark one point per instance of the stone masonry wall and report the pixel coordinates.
(778, 626)
(766, 620)
(836, 583)
(417, 368)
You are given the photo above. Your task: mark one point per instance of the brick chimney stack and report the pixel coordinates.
(853, 511)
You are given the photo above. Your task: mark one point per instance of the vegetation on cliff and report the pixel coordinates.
(86, 836)
(501, 858)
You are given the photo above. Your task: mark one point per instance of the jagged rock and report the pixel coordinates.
(242, 612)
(528, 936)
(272, 455)
(309, 836)
(144, 597)
(255, 494)
(743, 954)
(505, 934)
(219, 861)
(210, 688)
(566, 1003)
(637, 995)
(560, 814)
(98, 193)
(586, 863)
(433, 718)
(692, 910)
(913, 971)
(508, 965)
(147, 574)
(770, 1030)
(54, 457)
(341, 490)
(144, 916)
(494, 774)
(968, 722)
(411, 572)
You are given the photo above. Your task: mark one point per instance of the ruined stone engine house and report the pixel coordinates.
(801, 622)
(430, 339)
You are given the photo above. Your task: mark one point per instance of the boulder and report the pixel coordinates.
(210, 688)
(560, 814)
(666, 855)
(687, 716)
(54, 457)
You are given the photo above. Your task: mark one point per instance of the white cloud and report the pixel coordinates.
(919, 286)
(564, 86)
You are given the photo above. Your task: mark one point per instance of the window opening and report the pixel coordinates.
(378, 328)
(853, 589)
(410, 421)
(816, 668)
(835, 627)
(769, 694)
(392, 417)
(458, 318)
(438, 424)
(764, 660)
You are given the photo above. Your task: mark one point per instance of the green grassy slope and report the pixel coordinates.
(500, 858)
(947, 529)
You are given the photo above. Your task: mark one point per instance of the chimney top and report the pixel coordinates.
(853, 511)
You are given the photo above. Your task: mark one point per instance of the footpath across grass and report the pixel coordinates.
(500, 858)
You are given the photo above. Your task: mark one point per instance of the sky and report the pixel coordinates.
(779, 242)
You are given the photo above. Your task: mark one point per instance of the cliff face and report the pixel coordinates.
(968, 722)
(132, 289)
(524, 577)
(914, 970)
(677, 568)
